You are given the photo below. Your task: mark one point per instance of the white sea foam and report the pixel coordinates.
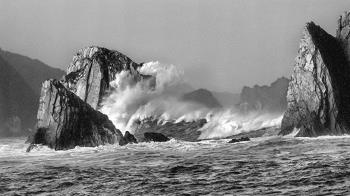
(129, 102)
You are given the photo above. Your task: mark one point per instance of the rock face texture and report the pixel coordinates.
(155, 137)
(265, 98)
(68, 116)
(343, 33)
(65, 121)
(92, 70)
(319, 91)
(128, 138)
(203, 97)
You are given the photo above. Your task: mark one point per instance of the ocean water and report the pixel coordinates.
(263, 166)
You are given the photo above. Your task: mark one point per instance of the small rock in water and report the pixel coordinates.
(128, 139)
(155, 137)
(242, 139)
(30, 147)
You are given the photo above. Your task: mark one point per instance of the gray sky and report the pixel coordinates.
(221, 44)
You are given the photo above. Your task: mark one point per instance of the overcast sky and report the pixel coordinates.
(221, 44)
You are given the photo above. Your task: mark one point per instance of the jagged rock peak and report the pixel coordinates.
(319, 89)
(93, 68)
(343, 33)
(106, 56)
(343, 23)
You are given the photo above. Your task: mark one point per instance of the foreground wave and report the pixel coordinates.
(270, 165)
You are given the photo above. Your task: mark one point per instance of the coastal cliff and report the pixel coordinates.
(319, 91)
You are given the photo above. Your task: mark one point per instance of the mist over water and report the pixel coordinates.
(129, 102)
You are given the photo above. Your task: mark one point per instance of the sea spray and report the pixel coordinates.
(230, 122)
(130, 102)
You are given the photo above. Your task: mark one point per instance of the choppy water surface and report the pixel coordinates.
(273, 166)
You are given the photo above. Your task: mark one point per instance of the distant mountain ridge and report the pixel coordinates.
(20, 83)
(33, 71)
(203, 97)
(18, 102)
(265, 98)
(227, 99)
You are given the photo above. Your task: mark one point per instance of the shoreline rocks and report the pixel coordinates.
(155, 137)
(186, 131)
(128, 138)
(242, 139)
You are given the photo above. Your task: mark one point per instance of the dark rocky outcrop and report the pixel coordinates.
(18, 102)
(203, 97)
(93, 68)
(186, 131)
(265, 98)
(242, 139)
(65, 121)
(155, 137)
(319, 91)
(128, 138)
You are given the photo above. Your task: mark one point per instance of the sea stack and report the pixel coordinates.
(68, 113)
(319, 91)
(66, 121)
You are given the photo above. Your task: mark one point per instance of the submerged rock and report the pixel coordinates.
(242, 139)
(128, 139)
(155, 137)
(319, 91)
(65, 121)
(93, 68)
(186, 131)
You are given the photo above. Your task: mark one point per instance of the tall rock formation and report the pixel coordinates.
(67, 115)
(319, 91)
(343, 33)
(92, 70)
(66, 121)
